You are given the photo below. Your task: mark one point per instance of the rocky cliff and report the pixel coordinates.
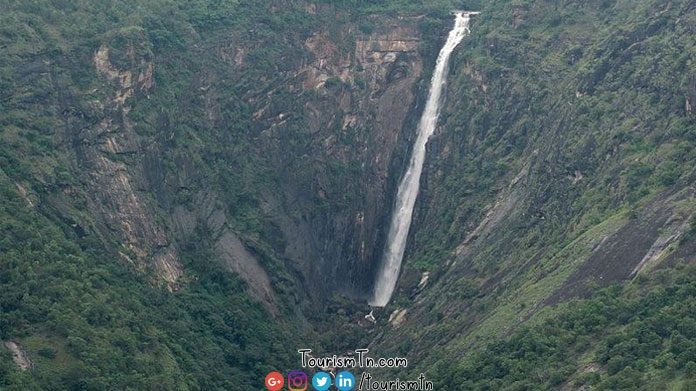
(191, 189)
(317, 171)
(356, 105)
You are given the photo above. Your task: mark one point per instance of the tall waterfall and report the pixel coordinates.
(408, 188)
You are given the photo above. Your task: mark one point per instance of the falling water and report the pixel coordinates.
(408, 188)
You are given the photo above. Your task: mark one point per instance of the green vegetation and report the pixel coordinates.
(589, 89)
(572, 115)
(87, 318)
(564, 135)
(642, 336)
(93, 323)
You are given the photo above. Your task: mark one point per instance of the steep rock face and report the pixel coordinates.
(313, 171)
(356, 103)
(108, 153)
(208, 214)
(19, 356)
(391, 67)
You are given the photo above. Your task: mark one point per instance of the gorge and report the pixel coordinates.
(193, 190)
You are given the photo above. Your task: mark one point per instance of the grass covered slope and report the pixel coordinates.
(564, 163)
(641, 336)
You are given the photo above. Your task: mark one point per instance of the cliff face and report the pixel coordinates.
(332, 146)
(172, 178)
(108, 154)
(311, 151)
(355, 105)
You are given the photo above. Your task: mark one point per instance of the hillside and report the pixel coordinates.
(192, 190)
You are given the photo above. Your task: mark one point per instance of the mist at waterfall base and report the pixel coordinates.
(408, 188)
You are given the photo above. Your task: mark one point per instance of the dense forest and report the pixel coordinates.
(190, 191)
(638, 337)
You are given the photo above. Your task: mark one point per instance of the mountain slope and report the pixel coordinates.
(564, 164)
(193, 190)
(163, 159)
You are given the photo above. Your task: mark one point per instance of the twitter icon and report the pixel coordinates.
(321, 381)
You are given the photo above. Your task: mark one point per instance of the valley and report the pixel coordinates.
(193, 191)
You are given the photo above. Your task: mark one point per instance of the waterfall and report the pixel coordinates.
(410, 183)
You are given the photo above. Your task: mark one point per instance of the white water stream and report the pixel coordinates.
(410, 183)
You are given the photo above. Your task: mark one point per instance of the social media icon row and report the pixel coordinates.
(298, 381)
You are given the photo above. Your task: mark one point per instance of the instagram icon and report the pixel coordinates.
(297, 381)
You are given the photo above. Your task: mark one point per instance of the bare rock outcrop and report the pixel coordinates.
(109, 150)
(363, 94)
(208, 214)
(19, 356)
